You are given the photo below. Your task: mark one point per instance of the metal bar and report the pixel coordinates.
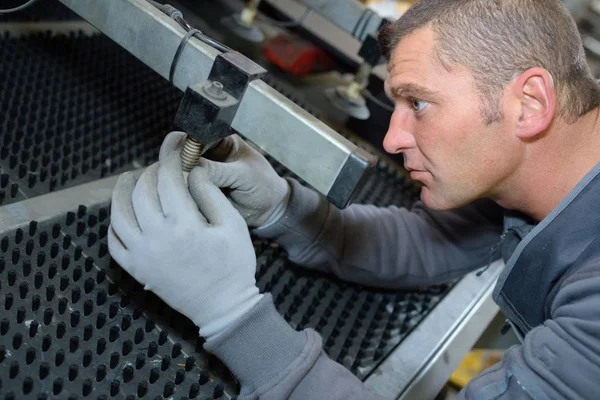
(149, 35)
(323, 29)
(420, 366)
(325, 152)
(48, 206)
(305, 145)
(349, 15)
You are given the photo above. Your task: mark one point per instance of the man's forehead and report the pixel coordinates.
(416, 46)
(412, 59)
(416, 58)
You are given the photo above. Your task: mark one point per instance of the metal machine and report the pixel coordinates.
(79, 109)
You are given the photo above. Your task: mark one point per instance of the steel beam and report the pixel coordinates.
(349, 15)
(421, 365)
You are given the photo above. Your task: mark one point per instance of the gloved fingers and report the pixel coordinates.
(118, 251)
(173, 141)
(173, 192)
(223, 175)
(123, 219)
(146, 202)
(212, 203)
(120, 254)
(226, 150)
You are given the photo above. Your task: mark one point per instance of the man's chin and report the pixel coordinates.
(435, 202)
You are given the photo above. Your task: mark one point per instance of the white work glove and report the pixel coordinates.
(254, 187)
(190, 247)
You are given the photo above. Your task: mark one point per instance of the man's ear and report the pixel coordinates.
(534, 97)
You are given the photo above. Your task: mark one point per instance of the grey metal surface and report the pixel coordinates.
(316, 155)
(420, 366)
(48, 206)
(266, 117)
(350, 15)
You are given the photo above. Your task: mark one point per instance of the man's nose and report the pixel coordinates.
(399, 136)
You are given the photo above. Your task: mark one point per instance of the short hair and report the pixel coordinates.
(499, 39)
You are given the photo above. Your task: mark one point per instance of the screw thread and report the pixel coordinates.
(190, 154)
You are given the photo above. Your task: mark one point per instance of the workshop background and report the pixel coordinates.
(76, 110)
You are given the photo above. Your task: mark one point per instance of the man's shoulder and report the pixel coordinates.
(581, 281)
(587, 267)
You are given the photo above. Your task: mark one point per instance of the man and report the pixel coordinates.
(494, 103)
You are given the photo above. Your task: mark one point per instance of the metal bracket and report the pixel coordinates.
(208, 109)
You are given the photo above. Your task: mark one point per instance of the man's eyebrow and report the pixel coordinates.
(405, 90)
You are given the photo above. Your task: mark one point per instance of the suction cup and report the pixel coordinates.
(243, 30)
(355, 106)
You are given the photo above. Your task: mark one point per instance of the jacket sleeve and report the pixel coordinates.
(272, 361)
(386, 247)
(557, 360)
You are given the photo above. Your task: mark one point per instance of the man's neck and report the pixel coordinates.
(553, 165)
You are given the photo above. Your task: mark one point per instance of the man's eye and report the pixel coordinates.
(418, 105)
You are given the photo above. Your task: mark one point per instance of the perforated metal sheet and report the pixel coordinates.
(74, 323)
(75, 103)
(42, 10)
(75, 109)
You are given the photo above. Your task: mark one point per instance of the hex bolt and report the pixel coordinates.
(215, 90)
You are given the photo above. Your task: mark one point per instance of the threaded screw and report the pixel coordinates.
(190, 154)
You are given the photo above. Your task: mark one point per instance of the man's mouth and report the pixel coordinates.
(412, 169)
(417, 174)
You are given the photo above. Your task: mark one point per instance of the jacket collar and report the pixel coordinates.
(536, 256)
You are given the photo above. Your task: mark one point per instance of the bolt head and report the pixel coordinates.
(215, 90)
(216, 87)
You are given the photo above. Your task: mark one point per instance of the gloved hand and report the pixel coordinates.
(190, 247)
(255, 189)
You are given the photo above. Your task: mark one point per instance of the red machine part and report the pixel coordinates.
(296, 55)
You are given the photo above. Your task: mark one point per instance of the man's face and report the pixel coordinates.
(437, 125)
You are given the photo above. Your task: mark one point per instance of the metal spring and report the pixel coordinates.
(190, 154)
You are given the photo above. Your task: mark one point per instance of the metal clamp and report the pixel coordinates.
(208, 109)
